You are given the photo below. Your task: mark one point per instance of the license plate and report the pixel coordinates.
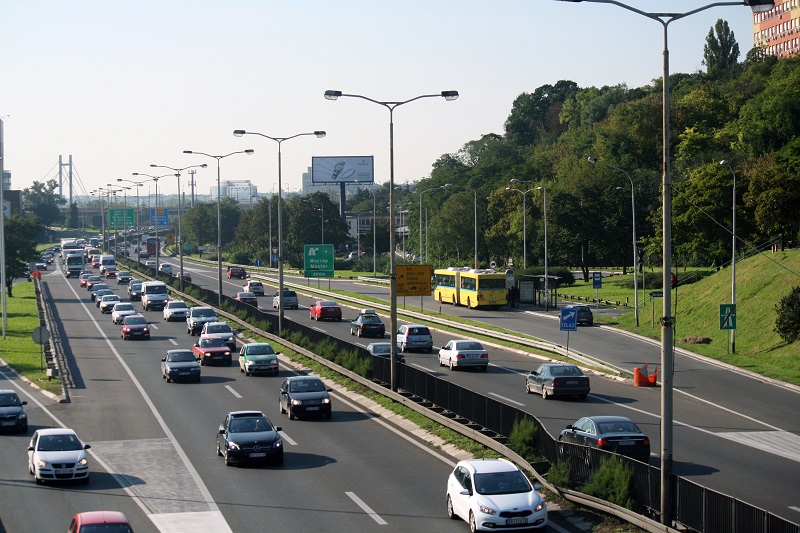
(62, 471)
(626, 443)
(7, 423)
(183, 373)
(516, 521)
(260, 454)
(572, 382)
(313, 409)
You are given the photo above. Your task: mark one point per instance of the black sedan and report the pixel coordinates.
(616, 434)
(249, 436)
(180, 365)
(304, 395)
(558, 380)
(367, 325)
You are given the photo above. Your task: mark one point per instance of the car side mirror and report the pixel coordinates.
(465, 492)
(571, 427)
(278, 428)
(87, 446)
(197, 359)
(163, 359)
(30, 448)
(24, 402)
(221, 430)
(537, 486)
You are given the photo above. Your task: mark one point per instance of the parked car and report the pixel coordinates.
(135, 289)
(304, 395)
(414, 337)
(236, 272)
(258, 357)
(175, 310)
(124, 277)
(290, 300)
(494, 494)
(134, 327)
(219, 330)
(254, 286)
(464, 353)
(324, 310)
(585, 315)
(198, 316)
(249, 436)
(368, 324)
(617, 434)
(383, 349)
(121, 310)
(12, 414)
(212, 350)
(246, 298)
(100, 521)
(558, 379)
(106, 303)
(179, 365)
(57, 454)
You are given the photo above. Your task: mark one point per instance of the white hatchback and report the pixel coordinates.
(121, 310)
(493, 494)
(175, 310)
(57, 455)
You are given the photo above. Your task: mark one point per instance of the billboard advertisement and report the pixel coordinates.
(342, 169)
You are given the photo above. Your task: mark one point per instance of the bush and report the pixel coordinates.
(560, 475)
(612, 482)
(787, 323)
(523, 439)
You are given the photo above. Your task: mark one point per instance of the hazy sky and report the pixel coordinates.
(120, 85)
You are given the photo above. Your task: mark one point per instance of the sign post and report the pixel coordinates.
(568, 321)
(597, 284)
(653, 296)
(727, 318)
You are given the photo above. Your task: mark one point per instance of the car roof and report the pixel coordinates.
(102, 517)
(481, 466)
(303, 378)
(180, 350)
(608, 418)
(56, 431)
(218, 323)
(416, 326)
(8, 391)
(244, 414)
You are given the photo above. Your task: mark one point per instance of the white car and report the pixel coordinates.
(108, 302)
(151, 264)
(175, 310)
(254, 286)
(220, 330)
(120, 311)
(462, 353)
(166, 268)
(494, 494)
(57, 455)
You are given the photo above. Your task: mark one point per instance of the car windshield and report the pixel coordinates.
(565, 371)
(180, 357)
(177, 305)
(255, 284)
(134, 320)
(419, 331)
(123, 307)
(110, 298)
(123, 274)
(246, 295)
(136, 286)
(219, 328)
(212, 343)
(502, 483)
(157, 289)
(470, 345)
(9, 400)
(106, 528)
(382, 348)
(58, 443)
(306, 385)
(370, 319)
(259, 349)
(204, 312)
(248, 425)
(620, 426)
(328, 304)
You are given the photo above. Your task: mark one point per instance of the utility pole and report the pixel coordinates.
(192, 172)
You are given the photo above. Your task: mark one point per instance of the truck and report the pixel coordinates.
(73, 264)
(152, 246)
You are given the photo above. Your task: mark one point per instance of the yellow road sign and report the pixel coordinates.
(413, 280)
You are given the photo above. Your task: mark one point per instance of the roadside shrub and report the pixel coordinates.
(560, 475)
(612, 482)
(787, 326)
(523, 439)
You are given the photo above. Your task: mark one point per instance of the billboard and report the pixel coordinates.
(343, 169)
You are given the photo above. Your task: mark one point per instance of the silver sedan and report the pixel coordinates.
(464, 353)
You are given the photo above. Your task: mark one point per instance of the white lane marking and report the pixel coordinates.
(751, 419)
(366, 508)
(230, 389)
(780, 443)
(173, 341)
(287, 438)
(506, 399)
(793, 508)
(424, 369)
(154, 326)
(315, 328)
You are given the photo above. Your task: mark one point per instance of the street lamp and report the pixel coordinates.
(667, 321)
(322, 217)
(179, 240)
(475, 223)
(594, 160)
(420, 216)
(219, 215)
(524, 221)
(544, 213)
(115, 249)
(319, 134)
(138, 221)
(447, 95)
(155, 212)
(374, 233)
(733, 254)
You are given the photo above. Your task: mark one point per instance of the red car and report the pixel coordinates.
(111, 273)
(111, 521)
(91, 281)
(325, 310)
(212, 350)
(83, 278)
(247, 298)
(186, 277)
(134, 327)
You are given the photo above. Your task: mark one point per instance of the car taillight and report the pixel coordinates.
(459, 356)
(646, 441)
(602, 442)
(484, 356)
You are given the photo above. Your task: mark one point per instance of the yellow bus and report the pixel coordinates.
(470, 287)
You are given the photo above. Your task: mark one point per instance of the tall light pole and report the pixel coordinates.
(594, 160)
(155, 211)
(138, 217)
(733, 254)
(219, 214)
(524, 221)
(546, 278)
(3, 288)
(179, 240)
(420, 216)
(114, 192)
(374, 233)
(322, 217)
(447, 95)
(667, 321)
(475, 223)
(319, 134)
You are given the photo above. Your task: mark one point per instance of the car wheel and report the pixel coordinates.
(38, 481)
(280, 407)
(289, 412)
(216, 447)
(403, 347)
(544, 393)
(359, 332)
(473, 527)
(450, 365)
(582, 396)
(30, 469)
(469, 303)
(169, 379)
(450, 513)
(430, 350)
(228, 461)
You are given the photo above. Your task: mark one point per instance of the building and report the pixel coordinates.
(239, 190)
(778, 30)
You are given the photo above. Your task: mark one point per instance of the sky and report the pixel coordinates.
(121, 85)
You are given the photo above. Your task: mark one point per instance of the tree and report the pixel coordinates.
(721, 51)
(787, 323)
(43, 201)
(20, 237)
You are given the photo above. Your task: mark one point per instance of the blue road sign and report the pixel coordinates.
(259, 262)
(569, 319)
(597, 280)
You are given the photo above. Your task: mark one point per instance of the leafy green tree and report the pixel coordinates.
(774, 197)
(787, 323)
(535, 115)
(199, 224)
(43, 201)
(20, 242)
(721, 51)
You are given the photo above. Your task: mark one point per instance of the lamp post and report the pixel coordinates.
(138, 218)
(733, 253)
(179, 240)
(475, 222)
(447, 95)
(155, 211)
(544, 214)
(420, 216)
(219, 215)
(322, 217)
(667, 321)
(594, 160)
(319, 134)
(100, 193)
(524, 221)
(374, 232)
(114, 192)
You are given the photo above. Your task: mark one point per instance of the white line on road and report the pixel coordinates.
(319, 329)
(233, 391)
(154, 326)
(287, 438)
(424, 369)
(366, 508)
(506, 399)
(793, 508)
(173, 341)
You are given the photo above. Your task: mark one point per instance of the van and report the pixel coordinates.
(107, 261)
(154, 295)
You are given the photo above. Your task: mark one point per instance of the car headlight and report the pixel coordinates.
(233, 446)
(539, 507)
(230, 339)
(145, 330)
(41, 464)
(227, 353)
(23, 416)
(486, 510)
(326, 401)
(83, 462)
(297, 402)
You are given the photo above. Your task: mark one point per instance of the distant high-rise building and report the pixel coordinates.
(778, 30)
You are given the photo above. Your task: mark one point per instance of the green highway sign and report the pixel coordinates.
(318, 261)
(122, 218)
(727, 316)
